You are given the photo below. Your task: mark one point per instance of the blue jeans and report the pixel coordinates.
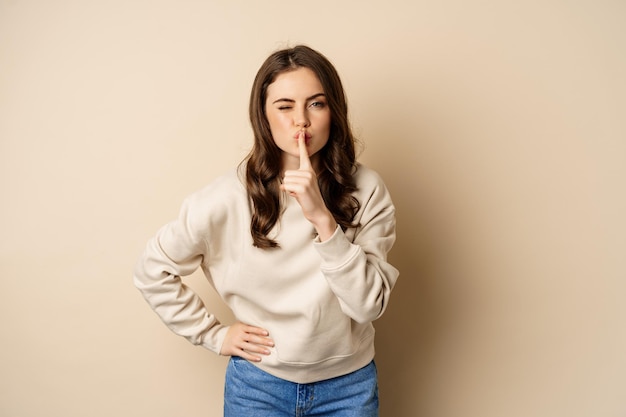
(251, 392)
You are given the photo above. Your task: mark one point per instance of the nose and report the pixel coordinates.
(301, 118)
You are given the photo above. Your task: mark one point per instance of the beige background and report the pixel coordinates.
(500, 128)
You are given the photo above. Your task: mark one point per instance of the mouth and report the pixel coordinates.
(307, 135)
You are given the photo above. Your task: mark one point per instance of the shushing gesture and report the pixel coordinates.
(302, 185)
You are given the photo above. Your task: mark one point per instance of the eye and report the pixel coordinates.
(318, 104)
(284, 108)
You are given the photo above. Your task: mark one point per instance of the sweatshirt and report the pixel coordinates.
(316, 299)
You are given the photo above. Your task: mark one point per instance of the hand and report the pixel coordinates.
(247, 342)
(302, 185)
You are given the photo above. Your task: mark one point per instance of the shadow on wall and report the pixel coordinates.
(409, 332)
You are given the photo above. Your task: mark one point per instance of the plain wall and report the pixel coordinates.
(499, 127)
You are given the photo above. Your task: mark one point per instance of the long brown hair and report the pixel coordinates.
(263, 163)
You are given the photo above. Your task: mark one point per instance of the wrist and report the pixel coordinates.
(325, 226)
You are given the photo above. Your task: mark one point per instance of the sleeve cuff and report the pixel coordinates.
(336, 251)
(215, 338)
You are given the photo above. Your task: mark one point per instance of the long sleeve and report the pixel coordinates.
(316, 299)
(355, 263)
(177, 250)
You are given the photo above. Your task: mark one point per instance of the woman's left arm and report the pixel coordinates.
(357, 269)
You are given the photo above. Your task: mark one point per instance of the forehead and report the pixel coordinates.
(293, 84)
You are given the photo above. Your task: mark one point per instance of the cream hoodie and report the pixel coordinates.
(316, 299)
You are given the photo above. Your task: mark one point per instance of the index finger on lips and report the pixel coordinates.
(305, 162)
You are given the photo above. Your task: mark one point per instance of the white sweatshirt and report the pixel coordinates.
(316, 299)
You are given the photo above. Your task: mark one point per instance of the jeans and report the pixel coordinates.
(251, 392)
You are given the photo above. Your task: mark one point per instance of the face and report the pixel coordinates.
(296, 102)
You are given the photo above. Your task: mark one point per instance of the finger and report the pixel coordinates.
(247, 353)
(256, 330)
(257, 336)
(260, 341)
(305, 162)
(253, 351)
(249, 357)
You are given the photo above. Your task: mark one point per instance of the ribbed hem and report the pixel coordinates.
(330, 368)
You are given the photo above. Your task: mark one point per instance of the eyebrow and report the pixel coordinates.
(290, 100)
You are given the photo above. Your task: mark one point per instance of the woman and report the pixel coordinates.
(295, 241)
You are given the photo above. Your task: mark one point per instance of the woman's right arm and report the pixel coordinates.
(178, 250)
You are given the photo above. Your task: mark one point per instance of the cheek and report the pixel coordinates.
(276, 121)
(326, 123)
(326, 118)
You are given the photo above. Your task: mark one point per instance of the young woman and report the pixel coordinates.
(295, 241)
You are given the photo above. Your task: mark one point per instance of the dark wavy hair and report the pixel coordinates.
(337, 157)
